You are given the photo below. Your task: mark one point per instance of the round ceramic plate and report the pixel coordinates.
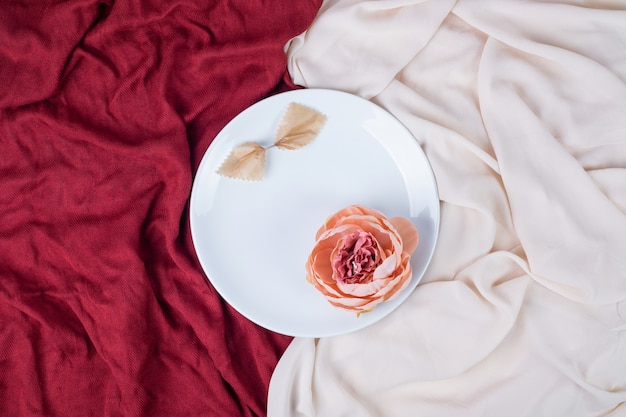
(253, 238)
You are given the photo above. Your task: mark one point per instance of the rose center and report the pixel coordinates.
(356, 258)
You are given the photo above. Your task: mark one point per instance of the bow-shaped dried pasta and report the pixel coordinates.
(298, 127)
(246, 162)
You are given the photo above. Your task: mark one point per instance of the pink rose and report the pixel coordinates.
(361, 258)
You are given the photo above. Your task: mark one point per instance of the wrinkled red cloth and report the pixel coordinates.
(106, 108)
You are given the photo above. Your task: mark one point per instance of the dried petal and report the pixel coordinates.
(298, 127)
(245, 162)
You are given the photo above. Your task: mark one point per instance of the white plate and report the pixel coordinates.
(253, 238)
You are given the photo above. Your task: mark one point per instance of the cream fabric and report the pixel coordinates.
(520, 107)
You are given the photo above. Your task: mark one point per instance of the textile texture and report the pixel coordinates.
(106, 108)
(520, 107)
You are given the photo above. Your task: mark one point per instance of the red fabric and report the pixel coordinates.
(106, 108)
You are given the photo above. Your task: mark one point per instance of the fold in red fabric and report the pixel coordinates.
(106, 108)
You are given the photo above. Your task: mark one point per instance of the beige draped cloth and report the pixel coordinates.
(520, 107)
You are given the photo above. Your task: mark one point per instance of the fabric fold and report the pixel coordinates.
(106, 109)
(373, 46)
(519, 108)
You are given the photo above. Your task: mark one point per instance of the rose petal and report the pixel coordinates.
(387, 267)
(338, 232)
(408, 233)
(322, 266)
(354, 304)
(369, 289)
(359, 305)
(348, 211)
(379, 230)
(328, 289)
(398, 286)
